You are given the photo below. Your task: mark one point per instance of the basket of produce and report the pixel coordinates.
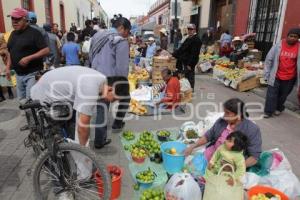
(260, 192)
(128, 135)
(163, 135)
(138, 155)
(145, 178)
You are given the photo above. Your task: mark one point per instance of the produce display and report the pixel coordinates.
(146, 176)
(115, 172)
(225, 63)
(146, 141)
(164, 133)
(137, 108)
(138, 153)
(235, 74)
(128, 135)
(155, 194)
(141, 74)
(267, 196)
(191, 134)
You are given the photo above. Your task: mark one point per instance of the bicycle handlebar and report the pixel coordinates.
(30, 104)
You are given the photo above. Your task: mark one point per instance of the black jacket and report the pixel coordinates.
(188, 53)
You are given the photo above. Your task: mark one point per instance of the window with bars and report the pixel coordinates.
(48, 11)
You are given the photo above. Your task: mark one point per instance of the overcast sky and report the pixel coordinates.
(127, 8)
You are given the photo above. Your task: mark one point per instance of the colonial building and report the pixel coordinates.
(62, 12)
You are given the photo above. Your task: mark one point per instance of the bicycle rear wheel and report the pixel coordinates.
(74, 172)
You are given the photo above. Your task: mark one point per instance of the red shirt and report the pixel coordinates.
(287, 68)
(172, 93)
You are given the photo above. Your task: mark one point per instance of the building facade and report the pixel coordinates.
(63, 12)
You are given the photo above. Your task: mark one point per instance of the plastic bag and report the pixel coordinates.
(264, 164)
(197, 165)
(182, 186)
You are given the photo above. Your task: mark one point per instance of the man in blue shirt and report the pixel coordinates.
(71, 50)
(151, 48)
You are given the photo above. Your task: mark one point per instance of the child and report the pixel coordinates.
(231, 152)
(71, 50)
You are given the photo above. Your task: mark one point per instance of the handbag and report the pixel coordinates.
(216, 187)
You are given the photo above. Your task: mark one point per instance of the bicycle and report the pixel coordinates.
(62, 168)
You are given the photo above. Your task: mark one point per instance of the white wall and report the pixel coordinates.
(205, 13)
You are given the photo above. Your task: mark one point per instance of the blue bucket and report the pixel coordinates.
(173, 163)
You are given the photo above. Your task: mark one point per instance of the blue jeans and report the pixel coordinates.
(101, 122)
(24, 85)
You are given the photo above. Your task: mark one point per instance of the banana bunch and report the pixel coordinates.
(142, 75)
(14, 80)
(137, 108)
(235, 74)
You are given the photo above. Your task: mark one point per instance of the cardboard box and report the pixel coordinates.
(248, 84)
(160, 63)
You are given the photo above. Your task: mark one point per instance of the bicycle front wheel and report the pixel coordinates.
(73, 173)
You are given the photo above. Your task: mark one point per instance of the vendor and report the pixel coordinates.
(226, 50)
(150, 52)
(240, 50)
(171, 98)
(235, 119)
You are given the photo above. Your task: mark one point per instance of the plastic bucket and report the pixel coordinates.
(116, 183)
(263, 190)
(173, 163)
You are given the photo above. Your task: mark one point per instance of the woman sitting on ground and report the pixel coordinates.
(235, 119)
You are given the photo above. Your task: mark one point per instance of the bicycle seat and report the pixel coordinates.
(29, 104)
(61, 110)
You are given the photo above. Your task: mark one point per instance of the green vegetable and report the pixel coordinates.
(128, 135)
(164, 133)
(156, 194)
(191, 134)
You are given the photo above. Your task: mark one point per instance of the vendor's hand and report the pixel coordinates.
(157, 103)
(7, 73)
(24, 61)
(188, 151)
(210, 166)
(189, 67)
(230, 181)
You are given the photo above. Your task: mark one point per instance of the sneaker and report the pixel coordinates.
(118, 126)
(65, 196)
(108, 141)
(266, 116)
(2, 99)
(277, 113)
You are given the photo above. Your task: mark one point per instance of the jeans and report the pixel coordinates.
(102, 119)
(277, 95)
(24, 85)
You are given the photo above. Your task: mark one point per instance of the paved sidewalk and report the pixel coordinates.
(282, 132)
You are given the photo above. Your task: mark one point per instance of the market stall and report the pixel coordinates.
(160, 170)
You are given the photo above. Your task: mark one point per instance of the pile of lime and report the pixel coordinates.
(164, 133)
(138, 153)
(146, 141)
(155, 194)
(146, 176)
(128, 135)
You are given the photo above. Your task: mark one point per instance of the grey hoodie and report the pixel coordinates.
(272, 63)
(109, 53)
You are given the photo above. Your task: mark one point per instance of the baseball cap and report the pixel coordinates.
(31, 16)
(18, 13)
(151, 39)
(191, 26)
(237, 38)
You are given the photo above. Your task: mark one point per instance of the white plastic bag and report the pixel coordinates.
(182, 186)
(86, 46)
